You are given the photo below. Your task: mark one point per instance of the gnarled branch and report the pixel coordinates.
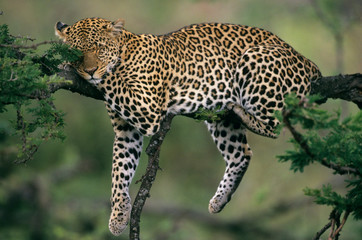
(153, 152)
(347, 87)
(77, 85)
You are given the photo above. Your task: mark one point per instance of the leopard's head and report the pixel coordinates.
(98, 39)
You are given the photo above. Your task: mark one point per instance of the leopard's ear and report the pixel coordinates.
(118, 24)
(60, 30)
(116, 27)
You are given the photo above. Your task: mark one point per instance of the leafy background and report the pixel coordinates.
(63, 193)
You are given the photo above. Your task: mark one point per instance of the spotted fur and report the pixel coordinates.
(245, 70)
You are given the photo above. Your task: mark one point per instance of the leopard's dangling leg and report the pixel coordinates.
(231, 141)
(127, 149)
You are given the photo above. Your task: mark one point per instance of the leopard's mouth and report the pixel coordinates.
(90, 75)
(95, 81)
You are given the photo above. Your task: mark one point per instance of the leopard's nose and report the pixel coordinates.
(90, 71)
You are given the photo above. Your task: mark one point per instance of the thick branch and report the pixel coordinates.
(78, 85)
(347, 87)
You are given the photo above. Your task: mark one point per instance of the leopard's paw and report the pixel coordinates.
(217, 203)
(119, 219)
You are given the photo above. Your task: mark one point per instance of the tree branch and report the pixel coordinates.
(347, 87)
(33, 46)
(77, 85)
(323, 230)
(336, 233)
(153, 152)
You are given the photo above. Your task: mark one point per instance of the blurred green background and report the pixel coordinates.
(64, 192)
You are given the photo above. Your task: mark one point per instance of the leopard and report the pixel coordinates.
(245, 71)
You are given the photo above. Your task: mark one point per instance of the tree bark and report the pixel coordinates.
(347, 87)
(153, 152)
(77, 85)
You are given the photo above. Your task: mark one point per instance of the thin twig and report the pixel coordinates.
(333, 223)
(341, 170)
(21, 126)
(34, 46)
(323, 230)
(30, 150)
(334, 217)
(25, 38)
(296, 135)
(346, 214)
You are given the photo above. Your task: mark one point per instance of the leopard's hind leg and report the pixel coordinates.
(230, 139)
(266, 74)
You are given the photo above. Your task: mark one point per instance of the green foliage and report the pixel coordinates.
(341, 142)
(326, 196)
(24, 77)
(331, 142)
(58, 54)
(212, 115)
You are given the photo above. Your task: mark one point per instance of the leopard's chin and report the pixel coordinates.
(95, 81)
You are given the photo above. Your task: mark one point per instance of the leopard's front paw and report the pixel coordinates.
(217, 203)
(119, 218)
